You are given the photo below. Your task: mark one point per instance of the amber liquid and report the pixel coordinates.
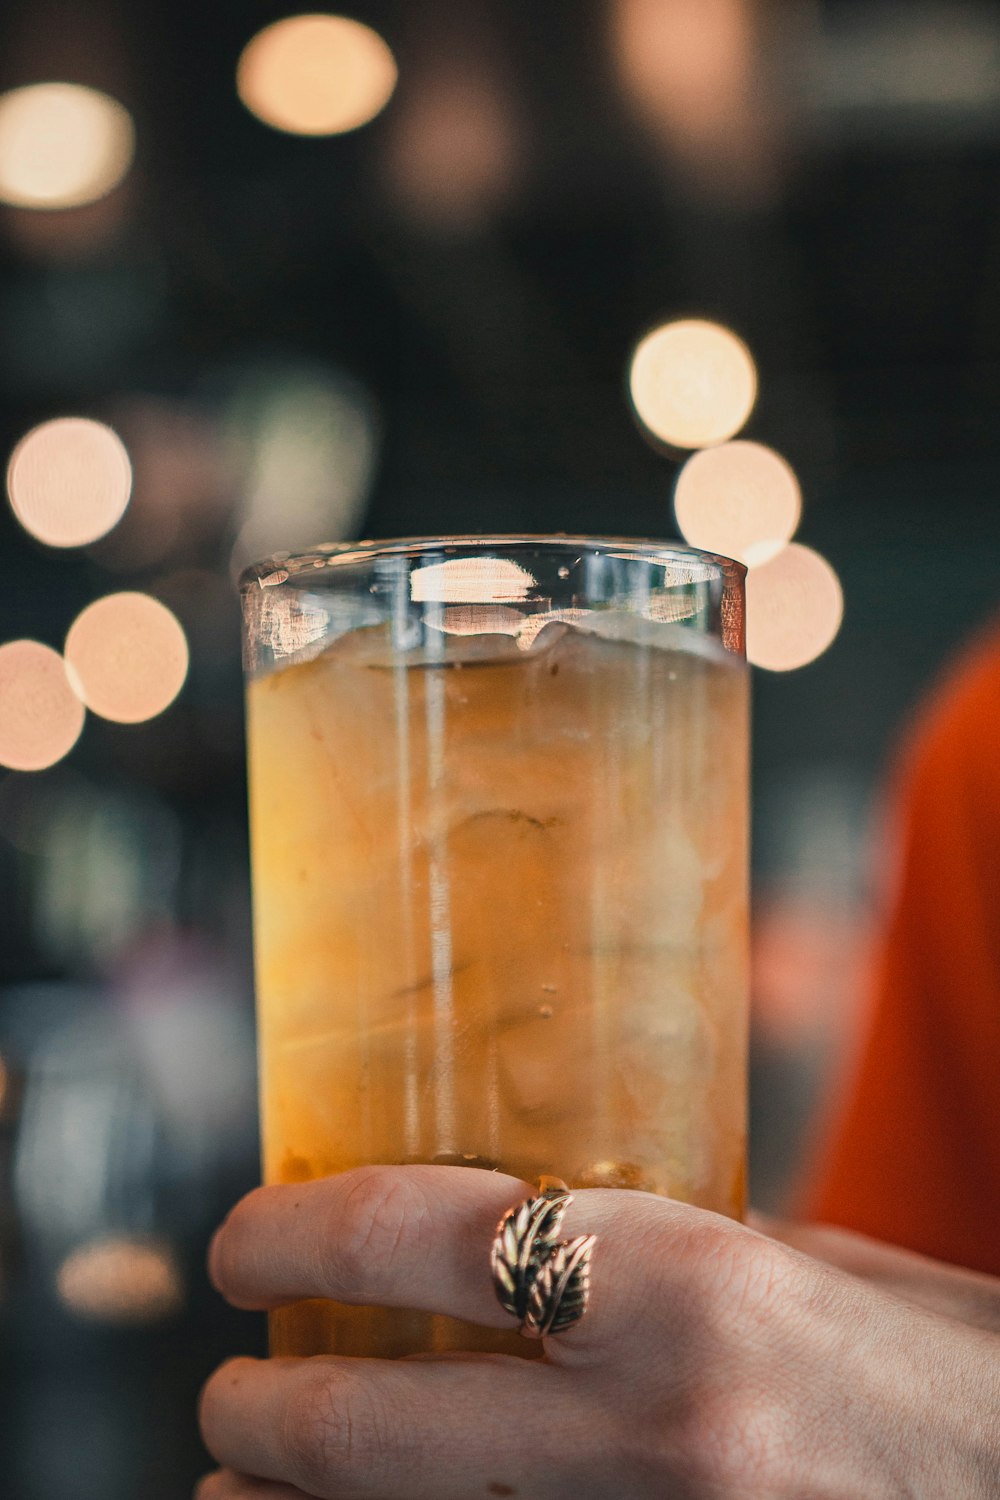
(500, 912)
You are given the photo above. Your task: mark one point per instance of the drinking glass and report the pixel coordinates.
(498, 793)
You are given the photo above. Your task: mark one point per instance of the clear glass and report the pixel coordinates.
(498, 792)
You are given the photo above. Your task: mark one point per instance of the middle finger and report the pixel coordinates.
(378, 1236)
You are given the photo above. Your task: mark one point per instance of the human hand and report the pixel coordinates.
(969, 1296)
(714, 1363)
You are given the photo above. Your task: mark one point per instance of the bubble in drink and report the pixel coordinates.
(500, 920)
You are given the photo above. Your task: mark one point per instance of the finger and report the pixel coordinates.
(970, 1296)
(224, 1484)
(414, 1237)
(870, 1259)
(417, 1431)
(419, 1237)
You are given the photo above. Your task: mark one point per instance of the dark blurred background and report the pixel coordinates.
(424, 325)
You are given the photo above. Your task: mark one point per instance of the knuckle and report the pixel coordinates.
(761, 1275)
(316, 1431)
(752, 1441)
(365, 1230)
(333, 1434)
(741, 1280)
(732, 1442)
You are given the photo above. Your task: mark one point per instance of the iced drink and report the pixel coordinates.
(500, 913)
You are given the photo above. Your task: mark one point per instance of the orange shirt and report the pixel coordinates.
(915, 1157)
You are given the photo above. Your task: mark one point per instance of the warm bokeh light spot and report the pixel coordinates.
(740, 499)
(62, 145)
(69, 481)
(127, 657)
(794, 608)
(121, 1280)
(316, 74)
(692, 383)
(470, 580)
(40, 715)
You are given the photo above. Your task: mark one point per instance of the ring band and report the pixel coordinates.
(539, 1279)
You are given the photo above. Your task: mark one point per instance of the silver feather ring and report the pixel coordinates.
(539, 1279)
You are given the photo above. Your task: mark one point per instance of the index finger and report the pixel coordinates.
(415, 1237)
(419, 1237)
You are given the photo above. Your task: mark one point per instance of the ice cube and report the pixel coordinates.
(654, 891)
(546, 1063)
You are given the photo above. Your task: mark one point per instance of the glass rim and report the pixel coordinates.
(281, 567)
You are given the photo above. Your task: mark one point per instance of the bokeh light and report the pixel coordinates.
(316, 75)
(794, 608)
(301, 441)
(62, 145)
(69, 481)
(183, 490)
(696, 74)
(740, 499)
(692, 383)
(40, 715)
(456, 149)
(127, 657)
(122, 1281)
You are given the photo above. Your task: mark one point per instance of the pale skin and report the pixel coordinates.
(716, 1361)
